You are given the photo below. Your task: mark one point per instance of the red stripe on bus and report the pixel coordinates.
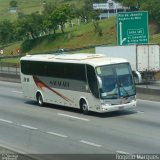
(42, 85)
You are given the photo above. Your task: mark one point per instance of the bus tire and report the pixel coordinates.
(40, 99)
(84, 107)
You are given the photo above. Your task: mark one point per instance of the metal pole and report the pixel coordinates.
(1, 64)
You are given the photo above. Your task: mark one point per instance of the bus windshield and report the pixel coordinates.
(116, 81)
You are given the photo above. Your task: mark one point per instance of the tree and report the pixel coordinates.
(30, 25)
(86, 12)
(62, 14)
(49, 19)
(153, 7)
(13, 3)
(7, 32)
(97, 28)
(55, 15)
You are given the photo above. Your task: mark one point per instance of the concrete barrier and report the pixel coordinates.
(148, 93)
(10, 77)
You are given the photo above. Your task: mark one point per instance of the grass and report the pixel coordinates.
(29, 6)
(11, 49)
(77, 37)
(10, 60)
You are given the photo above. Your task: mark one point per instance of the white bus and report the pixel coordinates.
(91, 82)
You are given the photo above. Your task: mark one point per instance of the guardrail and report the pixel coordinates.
(9, 68)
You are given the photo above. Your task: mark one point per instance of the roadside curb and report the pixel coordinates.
(7, 153)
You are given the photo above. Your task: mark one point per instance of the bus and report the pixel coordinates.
(90, 82)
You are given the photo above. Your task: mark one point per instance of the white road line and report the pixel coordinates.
(7, 121)
(122, 152)
(29, 127)
(148, 101)
(17, 92)
(79, 118)
(140, 112)
(57, 134)
(90, 143)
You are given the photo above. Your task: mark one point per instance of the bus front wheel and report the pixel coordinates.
(84, 107)
(40, 99)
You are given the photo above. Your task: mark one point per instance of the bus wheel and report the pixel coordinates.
(84, 107)
(40, 99)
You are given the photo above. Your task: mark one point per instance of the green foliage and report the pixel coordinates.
(27, 45)
(97, 28)
(153, 7)
(55, 15)
(49, 21)
(77, 37)
(13, 3)
(62, 14)
(35, 25)
(86, 12)
(7, 32)
(31, 25)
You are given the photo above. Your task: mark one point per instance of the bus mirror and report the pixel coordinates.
(99, 82)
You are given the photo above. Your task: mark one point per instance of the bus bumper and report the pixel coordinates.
(110, 108)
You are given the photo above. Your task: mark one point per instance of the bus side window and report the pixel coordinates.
(92, 81)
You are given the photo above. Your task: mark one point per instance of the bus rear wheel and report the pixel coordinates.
(84, 107)
(40, 99)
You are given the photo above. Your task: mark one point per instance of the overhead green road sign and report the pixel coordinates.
(132, 28)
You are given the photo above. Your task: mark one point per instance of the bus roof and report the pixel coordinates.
(80, 58)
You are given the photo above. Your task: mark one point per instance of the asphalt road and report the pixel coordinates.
(28, 128)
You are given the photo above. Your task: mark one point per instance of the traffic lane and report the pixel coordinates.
(13, 91)
(34, 141)
(114, 134)
(24, 108)
(29, 112)
(10, 85)
(11, 104)
(149, 106)
(110, 126)
(109, 141)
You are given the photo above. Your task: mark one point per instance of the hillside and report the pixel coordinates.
(77, 37)
(80, 36)
(29, 6)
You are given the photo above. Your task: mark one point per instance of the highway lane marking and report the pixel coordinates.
(29, 127)
(148, 101)
(57, 134)
(90, 143)
(7, 121)
(140, 112)
(17, 92)
(122, 152)
(79, 118)
(17, 124)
